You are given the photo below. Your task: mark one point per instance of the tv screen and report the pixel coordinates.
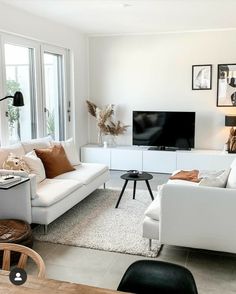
(164, 129)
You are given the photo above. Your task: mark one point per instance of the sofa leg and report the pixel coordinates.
(104, 186)
(45, 228)
(150, 244)
(159, 250)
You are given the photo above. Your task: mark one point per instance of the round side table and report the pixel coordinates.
(141, 177)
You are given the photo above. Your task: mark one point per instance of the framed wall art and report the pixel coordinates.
(226, 85)
(202, 77)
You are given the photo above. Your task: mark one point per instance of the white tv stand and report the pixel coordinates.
(140, 158)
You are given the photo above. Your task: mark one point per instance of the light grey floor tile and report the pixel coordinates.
(91, 276)
(173, 254)
(44, 248)
(212, 271)
(117, 269)
(82, 258)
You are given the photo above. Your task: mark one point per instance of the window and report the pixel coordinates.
(19, 63)
(39, 72)
(54, 94)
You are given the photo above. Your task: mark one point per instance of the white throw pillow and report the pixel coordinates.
(70, 150)
(153, 210)
(36, 166)
(215, 181)
(16, 149)
(231, 183)
(39, 143)
(210, 173)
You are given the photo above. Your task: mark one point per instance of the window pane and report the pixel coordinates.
(19, 70)
(54, 95)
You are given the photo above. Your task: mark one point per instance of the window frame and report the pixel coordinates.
(38, 81)
(64, 82)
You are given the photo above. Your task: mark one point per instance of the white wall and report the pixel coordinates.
(16, 21)
(153, 72)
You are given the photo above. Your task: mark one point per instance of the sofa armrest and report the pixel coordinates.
(198, 216)
(33, 186)
(32, 177)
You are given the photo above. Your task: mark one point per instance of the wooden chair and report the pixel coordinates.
(25, 253)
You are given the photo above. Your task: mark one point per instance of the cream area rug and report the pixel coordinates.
(96, 223)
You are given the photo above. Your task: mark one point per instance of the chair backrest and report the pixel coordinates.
(149, 276)
(25, 252)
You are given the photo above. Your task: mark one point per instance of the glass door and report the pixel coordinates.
(54, 88)
(19, 74)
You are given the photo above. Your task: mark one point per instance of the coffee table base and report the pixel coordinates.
(134, 191)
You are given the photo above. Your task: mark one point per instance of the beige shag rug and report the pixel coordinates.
(96, 223)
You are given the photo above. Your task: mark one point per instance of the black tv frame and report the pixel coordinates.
(164, 148)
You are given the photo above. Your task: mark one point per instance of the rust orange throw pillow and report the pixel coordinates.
(187, 175)
(54, 160)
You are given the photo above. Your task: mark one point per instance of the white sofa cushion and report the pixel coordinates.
(39, 143)
(36, 166)
(16, 149)
(153, 210)
(182, 182)
(70, 150)
(231, 183)
(51, 191)
(85, 172)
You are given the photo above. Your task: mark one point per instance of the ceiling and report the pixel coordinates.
(108, 17)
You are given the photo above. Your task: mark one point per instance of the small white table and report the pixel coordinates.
(15, 200)
(14, 184)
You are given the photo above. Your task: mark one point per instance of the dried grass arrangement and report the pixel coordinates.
(104, 118)
(232, 141)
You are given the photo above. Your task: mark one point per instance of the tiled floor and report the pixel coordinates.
(213, 272)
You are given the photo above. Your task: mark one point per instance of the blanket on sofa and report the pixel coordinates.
(187, 175)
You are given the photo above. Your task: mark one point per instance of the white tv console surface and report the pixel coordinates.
(140, 158)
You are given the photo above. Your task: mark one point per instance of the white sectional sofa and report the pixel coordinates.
(47, 200)
(192, 215)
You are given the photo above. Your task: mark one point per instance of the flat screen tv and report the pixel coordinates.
(164, 129)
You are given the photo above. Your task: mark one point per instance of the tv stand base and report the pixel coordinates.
(165, 148)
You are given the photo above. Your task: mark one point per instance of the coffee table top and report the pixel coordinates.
(141, 177)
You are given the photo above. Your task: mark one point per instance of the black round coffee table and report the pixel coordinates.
(141, 177)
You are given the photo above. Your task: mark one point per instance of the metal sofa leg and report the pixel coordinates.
(150, 244)
(45, 228)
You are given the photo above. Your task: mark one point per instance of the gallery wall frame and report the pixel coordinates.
(226, 85)
(202, 77)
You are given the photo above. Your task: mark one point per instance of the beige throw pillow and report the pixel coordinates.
(16, 149)
(14, 162)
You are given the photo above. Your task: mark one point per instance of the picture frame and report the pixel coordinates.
(226, 85)
(202, 77)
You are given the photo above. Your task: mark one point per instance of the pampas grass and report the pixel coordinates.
(104, 119)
